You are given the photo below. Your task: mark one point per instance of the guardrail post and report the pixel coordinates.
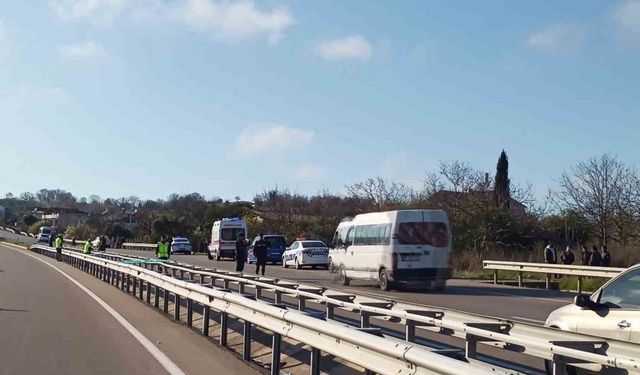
(275, 354)
(258, 292)
(579, 284)
(134, 281)
(181, 274)
(165, 301)
(156, 296)
(189, 312)
(471, 347)
(302, 303)
(520, 279)
(206, 313)
(148, 288)
(547, 281)
(330, 311)
(202, 276)
(314, 365)
(559, 368)
(365, 319)
(495, 277)
(277, 298)
(241, 287)
(141, 289)
(176, 307)
(410, 331)
(224, 322)
(246, 347)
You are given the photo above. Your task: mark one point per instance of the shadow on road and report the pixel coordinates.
(13, 310)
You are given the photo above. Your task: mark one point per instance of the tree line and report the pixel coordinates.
(597, 201)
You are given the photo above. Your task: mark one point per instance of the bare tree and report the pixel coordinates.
(382, 194)
(604, 190)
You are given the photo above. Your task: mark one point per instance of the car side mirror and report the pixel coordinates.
(583, 301)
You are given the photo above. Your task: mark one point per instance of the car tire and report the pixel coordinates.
(284, 264)
(383, 281)
(344, 280)
(331, 267)
(217, 257)
(298, 266)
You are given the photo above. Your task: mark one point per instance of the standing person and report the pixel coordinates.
(606, 257)
(260, 249)
(595, 260)
(162, 250)
(585, 255)
(51, 238)
(73, 241)
(241, 252)
(59, 241)
(102, 244)
(567, 257)
(88, 247)
(550, 255)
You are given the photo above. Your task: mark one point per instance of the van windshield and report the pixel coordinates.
(45, 230)
(230, 234)
(423, 233)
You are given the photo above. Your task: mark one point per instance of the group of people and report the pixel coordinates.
(588, 257)
(57, 240)
(260, 249)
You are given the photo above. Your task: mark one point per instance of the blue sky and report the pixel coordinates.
(225, 98)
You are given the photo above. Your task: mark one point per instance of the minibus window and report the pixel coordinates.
(423, 233)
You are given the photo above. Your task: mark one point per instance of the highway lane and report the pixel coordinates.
(49, 325)
(526, 305)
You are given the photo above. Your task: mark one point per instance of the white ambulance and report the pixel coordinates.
(224, 234)
(407, 247)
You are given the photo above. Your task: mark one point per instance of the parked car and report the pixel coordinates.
(305, 253)
(612, 312)
(42, 237)
(96, 242)
(181, 245)
(277, 246)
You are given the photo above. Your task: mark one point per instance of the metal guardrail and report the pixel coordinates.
(368, 349)
(548, 270)
(593, 353)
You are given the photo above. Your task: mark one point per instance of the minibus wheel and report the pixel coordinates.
(385, 284)
(343, 277)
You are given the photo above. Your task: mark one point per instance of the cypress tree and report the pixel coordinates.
(501, 191)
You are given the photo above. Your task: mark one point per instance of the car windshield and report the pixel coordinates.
(45, 230)
(308, 244)
(423, 233)
(181, 240)
(230, 234)
(275, 242)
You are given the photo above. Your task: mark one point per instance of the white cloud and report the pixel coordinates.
(100, 12)
(82, 51)
(310, 173)
(561, 37)
(264, 139)
(236, 21)
(626, 16)
(226, 21)
(349, 48)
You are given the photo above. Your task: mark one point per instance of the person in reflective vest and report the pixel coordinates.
(88, 247)
(162, 250)
(58, 242)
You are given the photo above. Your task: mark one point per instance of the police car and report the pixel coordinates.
(303, 253)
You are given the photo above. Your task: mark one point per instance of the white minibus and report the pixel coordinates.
(406, 247)
(224, 234)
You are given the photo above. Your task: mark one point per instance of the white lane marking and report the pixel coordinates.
(528, 320)
(162, 358)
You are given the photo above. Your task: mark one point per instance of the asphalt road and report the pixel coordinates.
(49, 325)
(523, 304)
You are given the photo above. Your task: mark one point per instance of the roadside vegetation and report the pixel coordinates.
(596, 202)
